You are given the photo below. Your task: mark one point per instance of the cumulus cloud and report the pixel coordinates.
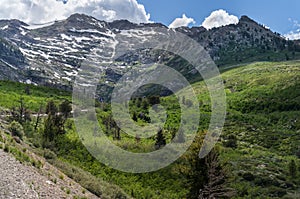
(219, 18)
(41, 11)
(295, 33)
(292, 35)
(183, 21)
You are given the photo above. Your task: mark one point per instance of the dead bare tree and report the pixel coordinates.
(20, 114)
(216, 185)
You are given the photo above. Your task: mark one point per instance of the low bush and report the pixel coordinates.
(16, 129)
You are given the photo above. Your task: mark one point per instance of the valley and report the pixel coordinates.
(256, 156)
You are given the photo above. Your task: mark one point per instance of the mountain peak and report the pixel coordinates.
(122, 24)
(80, 17)
(245, 18)
(13, 23)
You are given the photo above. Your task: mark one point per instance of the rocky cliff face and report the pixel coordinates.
(52, 54)
(237, 43)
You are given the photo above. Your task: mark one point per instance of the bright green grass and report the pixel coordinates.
(264, 113)
(12, 92)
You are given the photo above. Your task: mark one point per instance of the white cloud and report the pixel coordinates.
(219, 18)
(292, 35)
(183, 21)
(295, 33)
(41, 11)
(295, 23)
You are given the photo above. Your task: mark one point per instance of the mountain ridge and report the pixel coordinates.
(52, 55)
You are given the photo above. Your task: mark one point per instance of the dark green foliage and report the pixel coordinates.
(16, 129)
(298, 152)
(154, 100)
(111, 127)
(194, 169)
(134, 117)
(145, 104)
(49, 129)
(231, 142)
(51, 108)
(248, 176)
(48, 154)
(27, 90)
(160, 139)
(292, 168)
(55, 121)
(277, 192)
(6, 148)
(65, 109)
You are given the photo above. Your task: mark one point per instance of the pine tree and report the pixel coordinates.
(145, 104)
(160, 139)
(65, 109)
(194, 168)
(27, 90)
(134, 117)
(54, 123)
(51, 108)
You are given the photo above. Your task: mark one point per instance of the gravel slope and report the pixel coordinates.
(23, 181)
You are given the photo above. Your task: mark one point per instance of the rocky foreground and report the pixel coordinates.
(18, 180)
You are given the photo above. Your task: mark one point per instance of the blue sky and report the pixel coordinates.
(273, 13)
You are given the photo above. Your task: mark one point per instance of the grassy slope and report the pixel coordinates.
(12, 92)
(263, 108)
(263, 113)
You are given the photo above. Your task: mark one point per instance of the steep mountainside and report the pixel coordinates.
(52, 54)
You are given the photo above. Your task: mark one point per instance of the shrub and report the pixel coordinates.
(49, 155)
(160, 139)
(68, 191)
(61, 177)
(6, 148)
(16, 129)
(277, 192)
(248, 176)
(231, 142)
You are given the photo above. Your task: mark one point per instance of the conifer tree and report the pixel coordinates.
(160, 139)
